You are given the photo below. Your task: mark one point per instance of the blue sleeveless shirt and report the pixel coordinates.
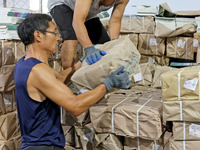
(39, 121)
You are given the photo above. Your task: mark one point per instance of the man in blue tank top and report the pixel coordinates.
(78, 22)
(40, 93)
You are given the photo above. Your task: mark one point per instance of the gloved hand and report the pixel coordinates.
(118, 79)
(93, 54)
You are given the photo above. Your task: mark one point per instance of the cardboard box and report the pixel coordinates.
(7, 78)
(186, 131)
(133, 116)
(137, 24)
(180, 47)
(181, 111)
(151, 45)
(120, 52)
(181, 84)
(157, 60)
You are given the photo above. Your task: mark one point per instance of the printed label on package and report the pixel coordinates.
(151, 60)
(194, 129)
(137, 77)
(181, 44)
(190, 83)
(195, 43)
(153, 41)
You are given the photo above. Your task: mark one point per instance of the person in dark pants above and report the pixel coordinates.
(40, 90)
(78, 22)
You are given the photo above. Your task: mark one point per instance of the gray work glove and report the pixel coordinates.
(118, 79)
(93, 54)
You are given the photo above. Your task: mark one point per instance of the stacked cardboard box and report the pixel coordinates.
(180, 92)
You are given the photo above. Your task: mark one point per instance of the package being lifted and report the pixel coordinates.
(120, 52)
(181, 84)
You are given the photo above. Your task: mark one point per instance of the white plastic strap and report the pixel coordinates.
(175, 47)
(2, 45)
(61, 115)
(130, 23)
(143, 18)
(112, 120)
(147, 44)
(186, 48)
(156, 46)
(138, 116)
(138, 143)
(184, 137)
(179, 94)
(155, 147)
(199, 85)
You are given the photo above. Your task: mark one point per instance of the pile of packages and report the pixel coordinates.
(180, 93)
(9, 20)
(10, 52)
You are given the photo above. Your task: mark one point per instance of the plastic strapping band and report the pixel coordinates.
(156, 46)
(112, 121)
(143, 23)
(138, 143)
(130, 23)
(2, 51)
(184, 136)
(147, 45)
(186, 48)
(175, 47)
(138, 115)
(199, 85)
(61, 116)
(155, 145)
(179, 94)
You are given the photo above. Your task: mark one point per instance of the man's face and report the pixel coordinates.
(51, 38)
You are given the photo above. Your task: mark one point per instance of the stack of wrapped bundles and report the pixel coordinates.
(128, 119)
(9, 20)
(180, 93)
(10, 52)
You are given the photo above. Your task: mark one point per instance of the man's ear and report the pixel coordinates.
(38, 36)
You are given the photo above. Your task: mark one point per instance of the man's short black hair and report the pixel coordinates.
(32, 23)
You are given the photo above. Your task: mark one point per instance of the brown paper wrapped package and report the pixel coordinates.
(120, 52)
(143, 74)
(151, 45)
(159, 70)
(137, 24)
(181, 84)
(11, 51)
(129, 116)
(196, 42)
(133, 37)
(183, 145)
(181, 111)
(157, 60)
(186, 131)
(9, 126)
(141, 144)
(107, 141)
(180, 47)
(7, 78)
